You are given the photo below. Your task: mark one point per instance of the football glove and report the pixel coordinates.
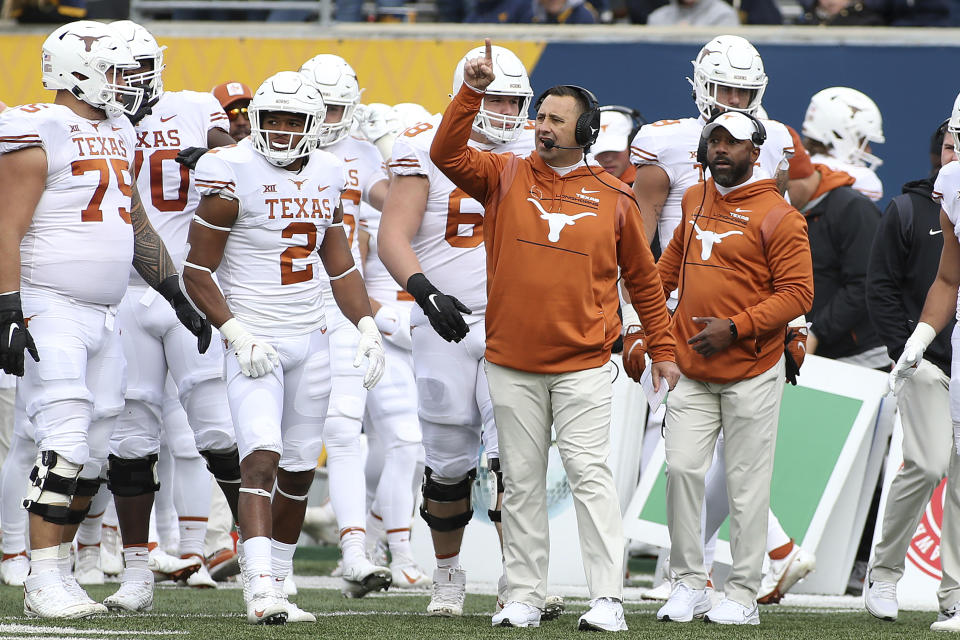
(256, 357)
(394, 325)
(14, 337)
(146, 108)
(634, 352)
(186, 314)
(190, 156)
(371, 348)
(912, 354)
(443, 311)
(794, 351)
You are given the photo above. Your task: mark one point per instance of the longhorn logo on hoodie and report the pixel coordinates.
(557, 221)
(709, 238)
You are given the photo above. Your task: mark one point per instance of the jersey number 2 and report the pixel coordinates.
(287, 273)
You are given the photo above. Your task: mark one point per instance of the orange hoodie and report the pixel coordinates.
(830, 179)
(743, 256)
(554, 244)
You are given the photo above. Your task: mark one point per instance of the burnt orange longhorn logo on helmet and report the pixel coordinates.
(88, 40)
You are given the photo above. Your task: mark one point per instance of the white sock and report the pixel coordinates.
(63, 558)
(281, 562)
(352, 545)
(45, 559)
(257, 557)
(193, 531)
(449, 562)
(136, 557)
(399, 542)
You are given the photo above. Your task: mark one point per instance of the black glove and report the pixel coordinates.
(14, 337)
(188, 316)
(442, 310)
(146, 108)
(190, 156)
(793, 369)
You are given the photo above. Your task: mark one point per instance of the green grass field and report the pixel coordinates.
(215, 615)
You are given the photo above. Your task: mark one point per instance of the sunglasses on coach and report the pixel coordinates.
(234, 113)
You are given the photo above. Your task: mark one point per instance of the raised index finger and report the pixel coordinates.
(488, 54)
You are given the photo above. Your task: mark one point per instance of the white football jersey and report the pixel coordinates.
(867, 181)
(449, 242)
(80, 241)
(672, 146)
(271, 272)
(380, 284)
(946, 191)
(179, 120)
(364, 168)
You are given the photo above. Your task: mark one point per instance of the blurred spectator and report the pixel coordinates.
(234, 97)
(700, 13)
(618, 126)
(48, 11)
(839, 13)
(914, 13)
(750, 11)
(535, 11)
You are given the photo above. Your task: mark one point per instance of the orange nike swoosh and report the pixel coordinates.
(168, 118)
(259, 613)
(350, 159)
(407, 576)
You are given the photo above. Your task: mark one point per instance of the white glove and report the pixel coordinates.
(912, 354)
(371, 346)
(257, 358)
(379, 124)
(394, 325)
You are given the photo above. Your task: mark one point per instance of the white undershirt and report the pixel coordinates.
(725, 190)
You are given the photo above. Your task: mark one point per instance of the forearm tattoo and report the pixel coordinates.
(150, 257)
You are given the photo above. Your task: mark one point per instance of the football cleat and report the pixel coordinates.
(14, 569)
(74, 589)
(135, 593)
(296, 614)
(362, 577)
(449, 591)
(111, 552)
(320, 523)
(783, 574)
(267, 608)
(407, 574)
(87, 570)
(201, 579)
(45, 596)
(168, 567)
(553, 608)
(223, 563)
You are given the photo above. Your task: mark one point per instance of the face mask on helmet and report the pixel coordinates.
(846, 122)
(89, 59)
(511, 82)
(286, 93)
(149, 57)
(337, 82)
(728, 76)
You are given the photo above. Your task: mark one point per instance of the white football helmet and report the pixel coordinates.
(511, 80)
(845, 121)
(144, 47)
(729, 61)
(410, 113)
(953, 125)
(288, 92)
(338, 84)
(88, 59)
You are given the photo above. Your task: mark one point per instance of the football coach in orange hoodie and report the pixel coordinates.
(555, 236)
(741, 262)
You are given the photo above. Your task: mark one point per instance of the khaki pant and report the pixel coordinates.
(924, 405)
(746, 412)
(578, 406)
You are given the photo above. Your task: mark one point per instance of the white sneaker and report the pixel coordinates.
(362, 577)
(201, 579)
(87, 570)
(407, 574)
(111, 551)
(517, 614)
(449, 590)
(135, 593)
(289, 586)
(267, 608)
(948, 620)
(15, 569)
(296, 614)
(730, 612)
(684, 604)
(880, 599)
(660, 592)
(320, 523)
(74, 589)
(783, 574)
(606, 614)
(168, 567)
(44, 596)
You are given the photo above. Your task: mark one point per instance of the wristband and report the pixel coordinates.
(924, 334)
(733, 330)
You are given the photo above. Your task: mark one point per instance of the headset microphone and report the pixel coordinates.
(550, 144)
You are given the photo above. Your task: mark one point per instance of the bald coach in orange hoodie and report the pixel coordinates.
(555, 237)
(741, 262)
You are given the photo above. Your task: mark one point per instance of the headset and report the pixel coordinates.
(758, 137)
(635, 116)
(588, 124)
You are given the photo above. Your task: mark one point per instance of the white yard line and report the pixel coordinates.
(29, 628)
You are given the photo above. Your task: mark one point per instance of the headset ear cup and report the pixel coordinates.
(702, 152)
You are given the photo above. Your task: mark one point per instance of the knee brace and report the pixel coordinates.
(224, 465)
(442, 492)
(495, 480)
(87, 488)
(130, 478)
(53, 483)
